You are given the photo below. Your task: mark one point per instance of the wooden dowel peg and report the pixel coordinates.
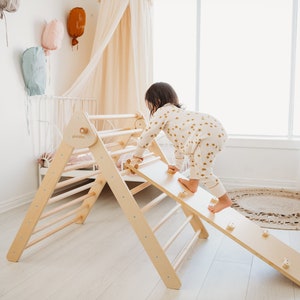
(230, 226)
(286, 263)
(183, 194)
(84, 130)
(135, 162)
(265, 233)
(213, 201)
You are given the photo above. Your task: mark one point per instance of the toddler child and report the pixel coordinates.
(196, 135)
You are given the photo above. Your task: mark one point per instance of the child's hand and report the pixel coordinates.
(172, 169)
(135, 160)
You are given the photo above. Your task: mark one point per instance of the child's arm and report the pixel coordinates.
(155, 126)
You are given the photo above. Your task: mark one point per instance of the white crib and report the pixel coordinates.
(47, 116)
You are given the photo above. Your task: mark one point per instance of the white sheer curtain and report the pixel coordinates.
(120, 68)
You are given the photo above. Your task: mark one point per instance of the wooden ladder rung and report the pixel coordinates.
(77, 152)
(149, 161)
(112, 144)
(124, 172)
(63, 206)
(185, 249)
(154, 202)
(115, 116)
(108, 131)
(119, 133)
(122, 151)
(76, 179)
(53, 222)
(52, 232)
(140, 187)
(178, 231)
(79, 166)
(166, 217)
(70, 193)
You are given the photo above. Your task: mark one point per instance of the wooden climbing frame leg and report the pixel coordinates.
(39, 202)
(136, 217)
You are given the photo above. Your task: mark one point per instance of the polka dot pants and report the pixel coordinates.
(201, 166)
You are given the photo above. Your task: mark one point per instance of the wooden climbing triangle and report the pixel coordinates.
(58, 204)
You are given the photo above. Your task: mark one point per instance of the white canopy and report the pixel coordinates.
(120, 67)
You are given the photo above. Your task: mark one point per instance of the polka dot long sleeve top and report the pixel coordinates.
(185, 129)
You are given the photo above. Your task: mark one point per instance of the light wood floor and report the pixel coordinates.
(103, 259)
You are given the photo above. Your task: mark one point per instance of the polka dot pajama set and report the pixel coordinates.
(197, 135)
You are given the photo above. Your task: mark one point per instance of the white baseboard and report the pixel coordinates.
(16, 202)
(230, 183)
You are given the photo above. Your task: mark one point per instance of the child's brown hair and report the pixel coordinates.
(159, 94)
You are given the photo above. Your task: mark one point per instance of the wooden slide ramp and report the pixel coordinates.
(230, 222)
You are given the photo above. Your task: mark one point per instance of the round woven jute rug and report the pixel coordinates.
(269, 208)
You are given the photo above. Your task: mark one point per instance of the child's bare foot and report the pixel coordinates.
(191, 185)
(224, 201)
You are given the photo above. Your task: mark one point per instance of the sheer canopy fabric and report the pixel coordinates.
(120, 67)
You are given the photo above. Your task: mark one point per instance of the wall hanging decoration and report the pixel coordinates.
(76, 24)
(52, 36)
(34, 70)
(9, 6)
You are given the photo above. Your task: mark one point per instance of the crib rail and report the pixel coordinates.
(47, 116)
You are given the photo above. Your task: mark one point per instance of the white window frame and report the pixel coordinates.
(291, 141)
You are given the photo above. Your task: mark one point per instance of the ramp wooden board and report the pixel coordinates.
(233, 224)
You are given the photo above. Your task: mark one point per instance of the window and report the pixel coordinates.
(234, 59)
(174, 41)
(296, 84)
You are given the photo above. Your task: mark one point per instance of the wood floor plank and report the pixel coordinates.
(103, 259)
(233, 252)
(138, 279)
(57, 248)
(193, 271)
(227, 281)
(101, 267)
(266, 283)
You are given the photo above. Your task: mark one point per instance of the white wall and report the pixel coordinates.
(18, 164)
(243, 162)
(260, 163)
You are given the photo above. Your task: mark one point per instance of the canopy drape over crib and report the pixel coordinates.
(120, 67)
